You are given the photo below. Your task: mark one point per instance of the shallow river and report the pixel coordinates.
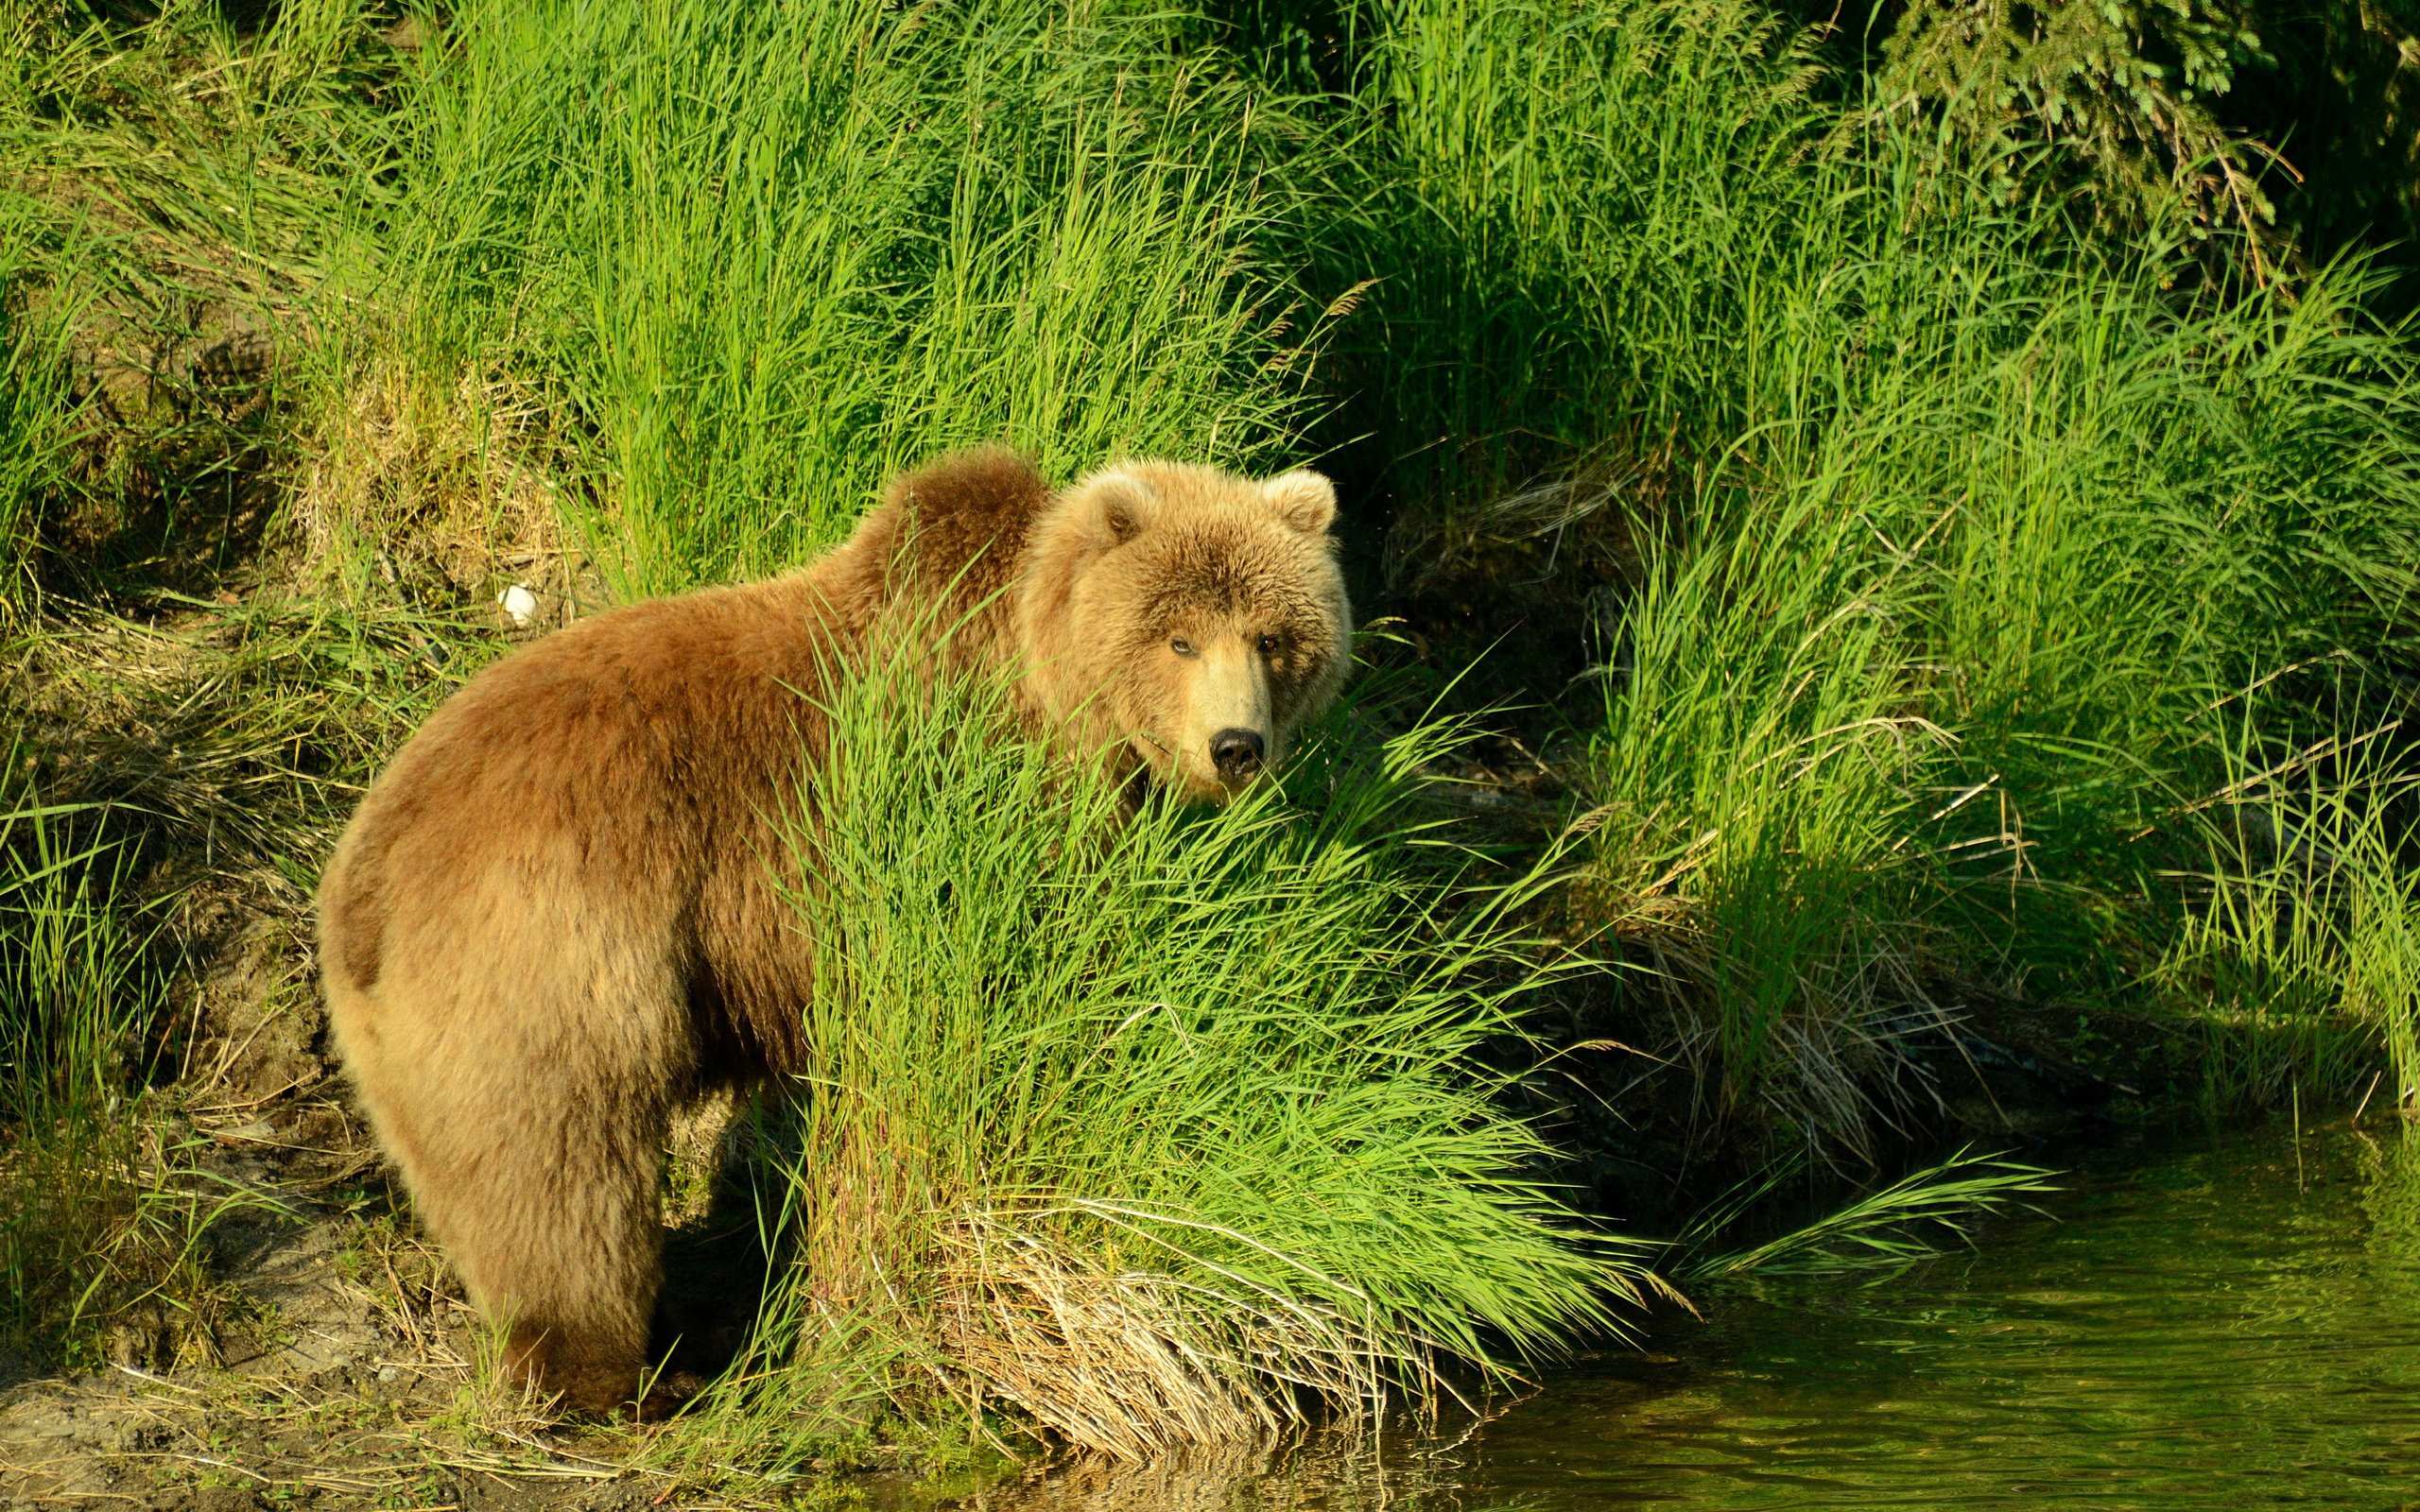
(2208, 1324)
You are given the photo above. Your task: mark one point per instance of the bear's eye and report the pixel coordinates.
(1269, 645)
(1182, 646)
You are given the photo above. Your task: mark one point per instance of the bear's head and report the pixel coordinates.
(1190, 616)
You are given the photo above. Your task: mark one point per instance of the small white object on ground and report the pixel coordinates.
(520, 606)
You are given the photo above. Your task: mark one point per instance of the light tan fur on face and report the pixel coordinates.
(1171, 602)
(551, 923)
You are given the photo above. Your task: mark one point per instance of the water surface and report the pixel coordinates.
(2228, 1322)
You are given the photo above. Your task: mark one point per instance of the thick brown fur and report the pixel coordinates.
(551, 922)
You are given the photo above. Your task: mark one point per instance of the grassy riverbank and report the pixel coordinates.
(1931, 644)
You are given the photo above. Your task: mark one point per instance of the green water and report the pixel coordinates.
(2233, 1322)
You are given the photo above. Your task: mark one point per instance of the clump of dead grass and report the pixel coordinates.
(447, 489)
(1135, 1361)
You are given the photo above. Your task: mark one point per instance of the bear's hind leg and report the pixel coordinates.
(575, 1264)
(535, 1166)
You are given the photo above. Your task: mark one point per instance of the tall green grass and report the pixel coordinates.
(173, 187)
(2302, 927)
(760, 258)
(1968, 613)
(1890, 1228)
(81, 1002)
(1560, 216)
(1969, 586)
(1161, 1131)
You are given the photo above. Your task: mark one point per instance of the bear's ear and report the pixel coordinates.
(1302, 499)
(1121, 504)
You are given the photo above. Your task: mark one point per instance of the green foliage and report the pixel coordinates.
(2300, 945)
(2344, 105)
(185, 128)
(1892, 1226)
(2119, 99)
(175, 197)
(2275, 131)
(2130, 514)
(79, 1004)
(1546, 199)
(1970, 555)
(1758, 751)
(1938, 539)
(105, 1210)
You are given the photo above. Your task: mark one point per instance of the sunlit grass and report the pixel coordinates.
(763, 258)
(38, 401)
(1949, 548)
(1896, 1225)
(1160, 1130)
(2299, 947)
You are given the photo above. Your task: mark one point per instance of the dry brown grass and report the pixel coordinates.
(445, 490)
(1130, 1363)
(1572, 528)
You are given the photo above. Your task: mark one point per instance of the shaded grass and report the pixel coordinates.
(1941, 555)
(196, 185)
(1890, 1228)
(81, 1004)
(1561, 217)
(83, 996)
(199, 768)
(1948, 678)
(103, 1215)
(37, 405)
(2301, 932)
(232, 740)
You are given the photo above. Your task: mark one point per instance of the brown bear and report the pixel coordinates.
(552, 924)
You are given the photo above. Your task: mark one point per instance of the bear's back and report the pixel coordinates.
(643, 750)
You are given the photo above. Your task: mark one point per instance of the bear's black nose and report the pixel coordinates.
(1236, 753)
